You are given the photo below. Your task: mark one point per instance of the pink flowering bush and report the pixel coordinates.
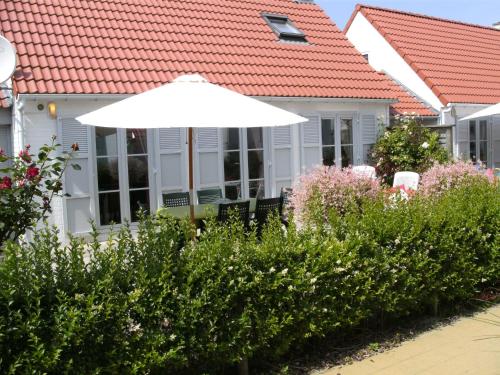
(330, 188)
(28, 183)
(442, 177)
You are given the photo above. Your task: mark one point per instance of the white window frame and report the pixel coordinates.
(337, 117)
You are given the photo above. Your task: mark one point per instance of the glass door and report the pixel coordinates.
(255, 153)
(232, 164)
(138, 171)
(108, 176)
(346, 142)
(337, 141)
(478, 141)
(123, 185)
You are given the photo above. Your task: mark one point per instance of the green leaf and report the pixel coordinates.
(76, 167)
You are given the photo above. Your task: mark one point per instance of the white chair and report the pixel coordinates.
(365, 170)
(408, 179)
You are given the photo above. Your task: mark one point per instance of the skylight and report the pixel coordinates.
(284, 28)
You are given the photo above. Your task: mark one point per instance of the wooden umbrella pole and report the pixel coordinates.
(191, 179)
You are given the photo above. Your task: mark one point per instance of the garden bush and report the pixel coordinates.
(161, 302)
(407, 146)
(442, 177)
(325, 188)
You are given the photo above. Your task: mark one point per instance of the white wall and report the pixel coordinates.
(383, 57)
(72, 214)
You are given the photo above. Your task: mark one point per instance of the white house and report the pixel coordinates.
(451, 66)
(75, 57)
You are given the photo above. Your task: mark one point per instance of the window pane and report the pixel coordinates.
(139, 199)
(137, 141)
(346, 131)
(138, 172)
(346, 152)
(255, 164)
(483, 151)
(105, 142)
(109, 208)
(256, 189)
(107, 174)
(231, 166)
(472, 130)
(233, 191)
(283, 26)
(472, 146)
(231, 139)
(482, 131)
(328, 131)
(254, 138)
(328, 155)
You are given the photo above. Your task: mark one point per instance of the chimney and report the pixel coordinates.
(496, 25)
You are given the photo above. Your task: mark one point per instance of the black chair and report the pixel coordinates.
(176, 199)
(264, 208)
(209, 195)
(243, 209)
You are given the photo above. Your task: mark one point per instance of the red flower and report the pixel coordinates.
(6, 183)
(25, 155)
(32, 172)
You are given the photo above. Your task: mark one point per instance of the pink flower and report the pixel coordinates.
(335, 188)
(25, 155)
(32, 172)
(6, 183)
(442, 177)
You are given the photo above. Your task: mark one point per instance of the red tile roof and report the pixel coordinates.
(408, 102)
(128, 46)
(460, 62)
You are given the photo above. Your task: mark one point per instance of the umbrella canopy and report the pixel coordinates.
(489, 111)
(190, 101)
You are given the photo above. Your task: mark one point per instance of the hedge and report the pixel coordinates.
(161, 303)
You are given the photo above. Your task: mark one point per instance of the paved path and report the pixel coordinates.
(471, 345)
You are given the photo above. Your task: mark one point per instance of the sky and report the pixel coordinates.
(482, 12)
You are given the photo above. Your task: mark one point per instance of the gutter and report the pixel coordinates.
(98, 97)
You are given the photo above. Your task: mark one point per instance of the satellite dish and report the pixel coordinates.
(7, 59)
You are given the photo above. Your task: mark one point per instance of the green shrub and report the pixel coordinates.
(407, 146)
(163, 303)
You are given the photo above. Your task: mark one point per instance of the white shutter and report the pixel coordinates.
(463, 140)
(495, 141)
(281, 158)
(173, 167)
(207, 161)
(77, 183)
(369, 134)
(310, 134)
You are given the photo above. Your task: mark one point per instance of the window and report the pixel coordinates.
(337, 141)
(365, 55)
(284, 28)
(478, 141)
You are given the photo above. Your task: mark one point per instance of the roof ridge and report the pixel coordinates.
(421, 15)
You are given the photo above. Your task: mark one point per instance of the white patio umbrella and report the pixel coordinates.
(190, 101)
(493, 110)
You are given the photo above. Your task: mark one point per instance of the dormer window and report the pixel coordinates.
(284, 28)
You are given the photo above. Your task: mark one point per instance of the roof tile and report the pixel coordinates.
(128, 46)
(460, 62)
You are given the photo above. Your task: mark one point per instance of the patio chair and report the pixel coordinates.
(264, 208)
(407, 179)
(365, 170)
(243, 209)
(176, 199)
(209, 195)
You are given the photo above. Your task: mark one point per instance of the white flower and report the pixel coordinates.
(397, 241)
(172, 337)
(290, 287)
(425, 145)
(230, 268)
(272, 270)
(313, 280)
(284, 272)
